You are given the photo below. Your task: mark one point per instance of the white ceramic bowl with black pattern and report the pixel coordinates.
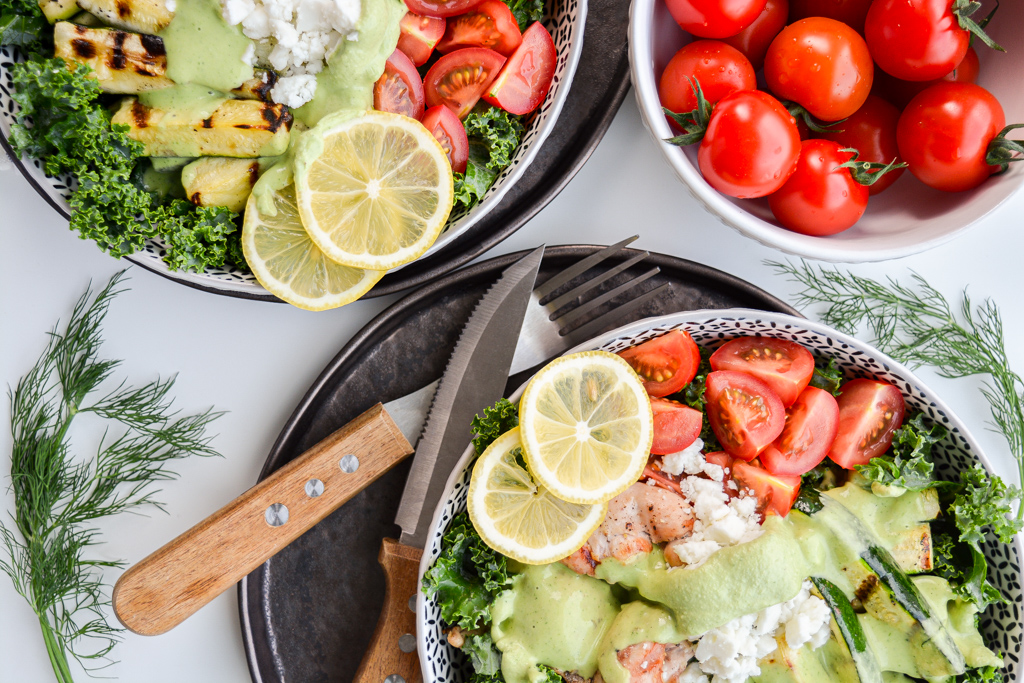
(565, 23)
(908, 218)
(1000, 625)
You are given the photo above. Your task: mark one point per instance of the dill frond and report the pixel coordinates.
(916, 325)
(59, 495)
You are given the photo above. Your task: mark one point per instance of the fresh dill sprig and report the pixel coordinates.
(59, 494)
(917, 326)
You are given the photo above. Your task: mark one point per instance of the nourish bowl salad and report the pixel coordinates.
(673, 514)
(317, 143)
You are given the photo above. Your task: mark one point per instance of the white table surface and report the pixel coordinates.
(256, 359)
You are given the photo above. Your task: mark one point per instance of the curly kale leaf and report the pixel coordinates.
(196, 236)
(466, 577)
(471, 186)
(693, 395)
(985, 674)
(112, 212)
(526, 11)
(499, 133)
(827, 376)
(966, 570)
(908, 464)
(984, 504)
(483, 655)
(495, 421)
(21, 30)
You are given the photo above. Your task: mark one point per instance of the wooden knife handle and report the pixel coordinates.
(393, 648)
(165, 588)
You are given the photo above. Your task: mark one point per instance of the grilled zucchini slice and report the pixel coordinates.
(258, 87)
(58, 10)
(122, 62)
(145, 16)
(217, 181)
(237, 128)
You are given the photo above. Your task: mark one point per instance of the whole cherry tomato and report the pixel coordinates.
(872, 132)
(900, 92)
(944, 134)
(753, 41)
(714, 18)
(751, 145)
(820, 198)
(850, 12)
(822, 64)
(915, 40)
(721, 70)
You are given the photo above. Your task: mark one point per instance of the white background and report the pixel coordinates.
(256, 359)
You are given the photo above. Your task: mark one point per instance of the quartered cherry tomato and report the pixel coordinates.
(490, 24)
(459, 78)
(450, 133)
(526, 77)
(775, 493)
(399, 90)
(783, 365)
(944, 134)
(440, 8)
(744, 413)
(915, 40)
(821, 64)
(751, 145)
(719, 68)
(820, 198)
(870, 412)
(850, 12)
(811, 426)
(666, 364)
(419, 36)
(714, 18)
(676, 426)
(753, 41)
(872, 132)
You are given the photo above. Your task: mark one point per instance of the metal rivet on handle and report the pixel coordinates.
(412, 603)
(407, 643)
(314, 487)
(276, 515)
(394, 678)
(350, 464)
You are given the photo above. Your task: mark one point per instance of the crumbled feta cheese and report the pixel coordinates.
(250, 58)
(295, 37)
(691, 674)
(719, 521)
(171, 5)
(689, 460)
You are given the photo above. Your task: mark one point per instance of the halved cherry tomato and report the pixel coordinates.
(916, 40)
(666, 364)
(525, 79)
(872, 132)
(775, 492)
(870, 412)
(820, 198)
(676, 426)
(822, 64)
(850, 12)
(662, 479)
(440, 8)
(399, 90)
(714, 18)
(459, 78)
(783, 365)
(811, 426)
(753, 41)
(745, 414)
(719, 68)
(720, 458)
(490, 24)
(751, 145)
(450, 132)
(419, 36)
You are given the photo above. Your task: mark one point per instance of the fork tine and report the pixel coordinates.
(598, 324)
(593, 283)
(580, 267)
(575, 314)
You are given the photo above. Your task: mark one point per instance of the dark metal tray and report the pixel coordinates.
(308, 613)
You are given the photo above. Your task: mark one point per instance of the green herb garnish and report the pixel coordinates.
(59, 495)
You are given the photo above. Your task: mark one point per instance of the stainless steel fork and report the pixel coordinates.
(548, 328)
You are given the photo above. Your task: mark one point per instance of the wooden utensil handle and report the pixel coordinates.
(162, 590)
(393, 648)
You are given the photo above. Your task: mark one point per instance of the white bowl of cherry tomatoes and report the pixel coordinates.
(789, 88)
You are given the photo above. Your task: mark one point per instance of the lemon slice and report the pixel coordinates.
(374, 191)
(290, 266)
(518, 517)
(587, 426)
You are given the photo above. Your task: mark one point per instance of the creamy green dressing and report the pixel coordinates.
(186, 102)
(638, 622)
(203, 49)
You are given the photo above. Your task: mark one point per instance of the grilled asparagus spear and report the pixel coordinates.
(216, 181)
(145, 16)
(237, 128)
(122, 62)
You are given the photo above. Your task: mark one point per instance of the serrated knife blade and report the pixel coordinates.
(474, 379)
